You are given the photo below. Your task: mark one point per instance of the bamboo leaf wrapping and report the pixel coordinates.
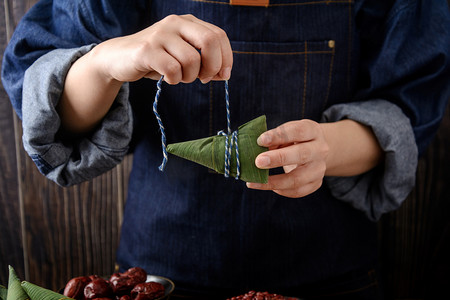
(39, 293)
(210, 151)
(15, 291)
(3, 292)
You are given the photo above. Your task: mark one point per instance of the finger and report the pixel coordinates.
(227, 52)
(291, 191)
(165, 64)
(296, 154)
(290, 180)
(188, 57)
(212, 42)
(300, 176)
(290, 132)
(295, 192)
(153, 75)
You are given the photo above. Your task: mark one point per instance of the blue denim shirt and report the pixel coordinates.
(382, 63)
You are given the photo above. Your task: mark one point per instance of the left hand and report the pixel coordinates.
(301, 149)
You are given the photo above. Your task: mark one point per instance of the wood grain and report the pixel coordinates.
(10, 226)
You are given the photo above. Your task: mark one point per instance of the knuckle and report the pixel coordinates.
(209, 70)
(300, 129)
(281, 134)
(172, 18)
(280, 158)
(172, 72)
(304, 155)
(172, 68)
(191, 59)
(189, 16)
(209, 39)
(221, 34)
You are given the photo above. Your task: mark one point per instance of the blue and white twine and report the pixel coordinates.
(234, 140)
(161, 127)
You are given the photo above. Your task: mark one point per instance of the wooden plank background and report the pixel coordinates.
(51, 234)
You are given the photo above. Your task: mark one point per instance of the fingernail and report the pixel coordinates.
(262, 161)
(226, 73)
(264, 139)
(206, 80)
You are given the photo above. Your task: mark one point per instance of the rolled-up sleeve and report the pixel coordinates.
(403, 89)
(384, 188)
(64, 159)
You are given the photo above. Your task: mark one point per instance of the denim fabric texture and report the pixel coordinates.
(380, 190)
(69, 160)
(294, 59)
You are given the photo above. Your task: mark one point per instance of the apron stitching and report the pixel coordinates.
(330, 75)
(349, 58)
(310, 3)
(282, 53)
(283, 4)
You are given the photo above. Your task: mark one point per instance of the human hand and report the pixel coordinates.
(301, 149)
(182, 48)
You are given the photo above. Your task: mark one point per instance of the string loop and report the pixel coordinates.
(161, 127)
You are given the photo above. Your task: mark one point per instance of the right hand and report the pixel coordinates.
(182, 48)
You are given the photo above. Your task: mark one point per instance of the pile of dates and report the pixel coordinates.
(129, 285)
(252, 295)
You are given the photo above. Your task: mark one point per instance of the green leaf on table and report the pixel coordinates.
(39, 293)
(15, 291)
(3, 292)
(210, 151)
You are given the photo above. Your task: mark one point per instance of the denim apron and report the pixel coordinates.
(292, 60)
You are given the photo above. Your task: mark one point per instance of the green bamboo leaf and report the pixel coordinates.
(15, 291)
(3, 292)
(210, 151)
(39, 293)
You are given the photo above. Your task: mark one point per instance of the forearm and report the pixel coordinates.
(87, 96)
(353, 148)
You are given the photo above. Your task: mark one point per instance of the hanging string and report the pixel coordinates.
(161, 127)
(233, 136)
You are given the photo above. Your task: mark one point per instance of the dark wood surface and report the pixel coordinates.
(10, 224)
(50, 234)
